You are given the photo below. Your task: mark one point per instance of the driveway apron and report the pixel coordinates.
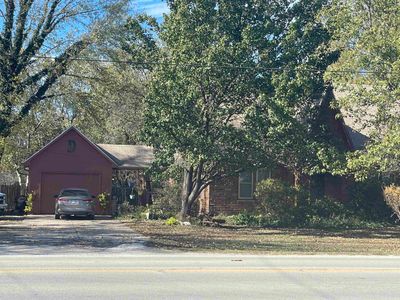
(43, 235)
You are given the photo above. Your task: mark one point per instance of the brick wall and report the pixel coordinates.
(223, 197)
(204, 201)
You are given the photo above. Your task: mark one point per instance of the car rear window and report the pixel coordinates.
(74, 193)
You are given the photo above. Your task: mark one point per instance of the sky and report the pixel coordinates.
(155, 8)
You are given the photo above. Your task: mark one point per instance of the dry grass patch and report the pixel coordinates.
(384, 241)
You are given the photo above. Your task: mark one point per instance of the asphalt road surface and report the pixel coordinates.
(194, 276)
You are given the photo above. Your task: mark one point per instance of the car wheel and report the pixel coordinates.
(57, 216)
(90, 217)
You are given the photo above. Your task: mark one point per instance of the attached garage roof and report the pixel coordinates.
(129, 156)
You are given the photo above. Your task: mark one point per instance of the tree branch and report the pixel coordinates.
(8, 25)
(20, 34)
(61, 64)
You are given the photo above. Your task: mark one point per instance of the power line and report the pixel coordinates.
(220, 66)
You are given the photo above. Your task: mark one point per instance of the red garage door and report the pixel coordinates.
(53, 183)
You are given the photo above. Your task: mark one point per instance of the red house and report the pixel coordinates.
(71, 160)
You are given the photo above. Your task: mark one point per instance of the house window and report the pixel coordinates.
(246, 185)
(263, 174)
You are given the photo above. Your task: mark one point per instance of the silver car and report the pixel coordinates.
(74, 202)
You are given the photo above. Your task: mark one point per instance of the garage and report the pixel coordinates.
(70, 160)
(53, 183)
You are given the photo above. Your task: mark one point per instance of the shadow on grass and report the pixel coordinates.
(279, 240)
(375, 233)
(187, 244)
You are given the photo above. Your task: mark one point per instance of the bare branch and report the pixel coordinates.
(59, 69)
(20, 35)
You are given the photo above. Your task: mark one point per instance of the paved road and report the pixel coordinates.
(44, 235)
(190, 276)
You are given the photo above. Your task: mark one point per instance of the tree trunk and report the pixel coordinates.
(297, 184)
(184, 210)
(186, 191)
(23, 182)
(192, 186)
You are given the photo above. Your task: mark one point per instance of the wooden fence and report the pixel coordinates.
(13, 192)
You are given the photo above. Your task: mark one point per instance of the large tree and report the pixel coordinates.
(368, 75)
(29, 30)
(240, 85)
(102, 99)
(290, 120)
(203, 81)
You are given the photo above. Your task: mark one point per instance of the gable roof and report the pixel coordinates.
(129, 156)
(72, 128)
(356, 132)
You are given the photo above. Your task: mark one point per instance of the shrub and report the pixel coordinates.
(172, 221)
(392, 198)
(341, 222)
(139, 212)
(245, 218)
(104, 199)
(125, 208)
(367, 200)
(277, 200)
(323, 207)
(29, 203)
(166, 202)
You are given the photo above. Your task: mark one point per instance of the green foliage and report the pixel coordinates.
(29, 203)
(379, 158)
(275, 198)
(104, 199)
(289, 121)
(366, 200)
(171, 221)
(279, 204)
(324, 208)
(166, 199)
(139, 213)
(342, 222)
(322, 213)
(367, 34)
(247, 219)
(193, 101)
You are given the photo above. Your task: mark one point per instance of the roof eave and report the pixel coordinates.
(28, 160)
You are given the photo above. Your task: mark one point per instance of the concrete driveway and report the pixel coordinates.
(40, 235)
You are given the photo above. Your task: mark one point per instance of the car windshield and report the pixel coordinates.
(74, 193)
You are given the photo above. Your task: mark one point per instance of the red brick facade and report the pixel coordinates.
(223, 196)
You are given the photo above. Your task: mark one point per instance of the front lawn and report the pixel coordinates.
(382, 241)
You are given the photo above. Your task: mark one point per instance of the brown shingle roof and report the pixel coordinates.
(129, 156)
(355, 128)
